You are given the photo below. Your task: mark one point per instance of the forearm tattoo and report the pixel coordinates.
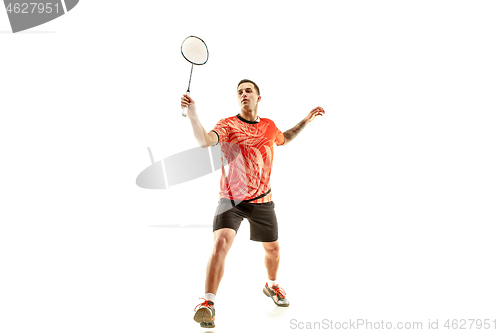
(293, 132)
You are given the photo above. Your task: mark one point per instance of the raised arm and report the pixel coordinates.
(203, 138)
(293, 132)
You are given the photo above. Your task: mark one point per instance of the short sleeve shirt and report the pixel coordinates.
(248, 148)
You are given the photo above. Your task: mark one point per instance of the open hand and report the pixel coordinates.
(315, 112)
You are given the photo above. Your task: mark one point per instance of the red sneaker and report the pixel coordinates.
(205, 315)
(277, 294)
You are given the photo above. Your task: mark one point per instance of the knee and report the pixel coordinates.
(221, 247)
(273, 251)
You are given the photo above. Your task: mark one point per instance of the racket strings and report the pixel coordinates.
(195, 50)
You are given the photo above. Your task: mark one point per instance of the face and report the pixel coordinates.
(247, 96)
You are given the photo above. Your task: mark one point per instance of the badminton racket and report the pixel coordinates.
(195, 51)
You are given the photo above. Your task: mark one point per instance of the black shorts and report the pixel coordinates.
(261, 216)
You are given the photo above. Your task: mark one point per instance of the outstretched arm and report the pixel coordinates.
(203, 138)
(293, 132)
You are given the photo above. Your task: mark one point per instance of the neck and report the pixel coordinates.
(250, 115)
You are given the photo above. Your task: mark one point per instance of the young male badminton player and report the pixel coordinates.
(248, 196)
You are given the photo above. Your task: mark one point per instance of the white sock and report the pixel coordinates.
(271, 283)
(210, 297)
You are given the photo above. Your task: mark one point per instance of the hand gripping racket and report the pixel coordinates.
(195, 51)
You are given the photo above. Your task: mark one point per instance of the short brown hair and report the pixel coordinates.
(250, 81)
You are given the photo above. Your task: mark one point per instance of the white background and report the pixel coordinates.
(388, 205)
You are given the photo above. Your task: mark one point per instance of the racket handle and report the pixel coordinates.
(185, 109)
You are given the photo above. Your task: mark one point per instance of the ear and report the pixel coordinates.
(258, 99)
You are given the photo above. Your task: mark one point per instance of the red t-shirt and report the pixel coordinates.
(249, 148)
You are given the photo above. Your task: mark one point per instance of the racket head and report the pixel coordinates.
(194, 50)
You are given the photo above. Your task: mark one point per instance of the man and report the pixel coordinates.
(245, 191)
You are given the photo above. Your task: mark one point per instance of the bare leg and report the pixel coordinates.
(223, 239)
(272, 259)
